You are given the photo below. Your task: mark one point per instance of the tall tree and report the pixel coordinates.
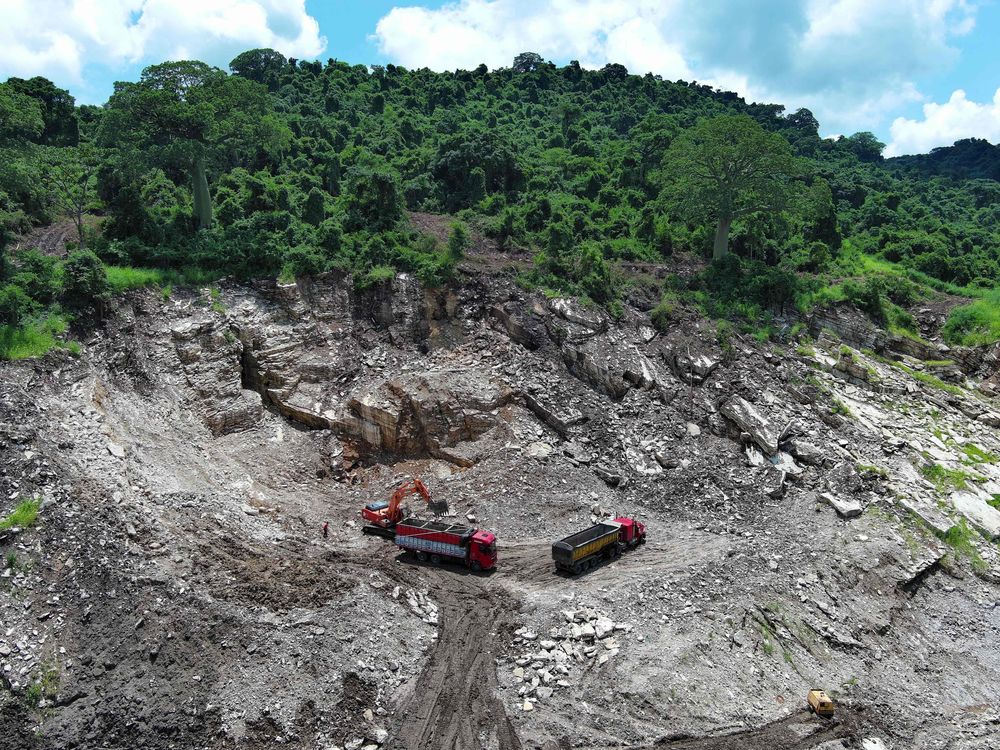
(20, 117)
(58, 108)
(260, 65)
(188, 116)
(727, 167)
(71, 174)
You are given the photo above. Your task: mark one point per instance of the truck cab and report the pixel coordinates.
(482, 550)
(632, 531)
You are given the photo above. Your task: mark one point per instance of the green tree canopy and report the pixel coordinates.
(727, 167)
(20, 117)
(187, 116)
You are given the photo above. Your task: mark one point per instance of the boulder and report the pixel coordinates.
(983, 516)
(990, 419)
(745, 416)
(805, 452)
(845, 507)
(784, 462)
(693, 368)
(573, 312)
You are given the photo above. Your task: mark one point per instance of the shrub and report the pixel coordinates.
(15, 306)
(85, 281)
(38, 276)
(663, 314)
(303, 260)
(866, 297)
(458, 241)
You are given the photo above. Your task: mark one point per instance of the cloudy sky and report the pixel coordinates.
(919, 73)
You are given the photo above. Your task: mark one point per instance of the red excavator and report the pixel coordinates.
(383, 516)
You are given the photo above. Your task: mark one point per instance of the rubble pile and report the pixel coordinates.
(819, 512)
(550, 663)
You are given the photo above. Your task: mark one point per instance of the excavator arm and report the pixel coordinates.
(405, 490)
(383, 517)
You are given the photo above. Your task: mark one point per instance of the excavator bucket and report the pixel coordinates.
(438, 507)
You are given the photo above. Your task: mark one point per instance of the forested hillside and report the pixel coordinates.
(282, 167)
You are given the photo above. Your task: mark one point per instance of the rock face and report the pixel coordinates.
(746, 416)
(424, 416)
(209, 357)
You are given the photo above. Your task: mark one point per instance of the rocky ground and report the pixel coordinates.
(820, 514)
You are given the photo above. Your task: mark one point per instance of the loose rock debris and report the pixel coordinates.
(814, 520)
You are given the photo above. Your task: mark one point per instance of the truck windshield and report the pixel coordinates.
(488, 549)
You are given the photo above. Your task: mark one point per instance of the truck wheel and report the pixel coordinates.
(475, 566)
(578, 569)
(422, 556)
(436, 559)
(642, 539)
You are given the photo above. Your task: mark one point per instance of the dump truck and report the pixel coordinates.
(440, 542)
(820, 703)
(605, 540)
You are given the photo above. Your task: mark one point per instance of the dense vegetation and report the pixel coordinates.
(283, 167)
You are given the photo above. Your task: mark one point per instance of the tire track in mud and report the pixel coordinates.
(531, 562)
(455, 703)
(799, 731)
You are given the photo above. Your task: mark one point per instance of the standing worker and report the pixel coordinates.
(326, 529)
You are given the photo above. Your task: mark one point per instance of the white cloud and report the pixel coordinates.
(59, 38)
(851, 61)
(470, 32)
(943, 124)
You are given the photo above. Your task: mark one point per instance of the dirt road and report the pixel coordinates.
(454, 705)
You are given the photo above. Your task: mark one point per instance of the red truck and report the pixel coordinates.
(436, 541)
(607, 539)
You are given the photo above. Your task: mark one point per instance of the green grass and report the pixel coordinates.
(23, 515)
(959, 537)
(977, 455)
(35, 339)
(839, 407)
(975, 324)
(47, 686)
(767, 639)
(379, 274)
(946, 479)
(123, 278)
(875, 471)
(923, 377)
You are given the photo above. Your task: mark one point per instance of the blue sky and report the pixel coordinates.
(919, 73)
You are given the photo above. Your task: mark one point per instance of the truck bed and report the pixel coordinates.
(433, 537)
(570, 550)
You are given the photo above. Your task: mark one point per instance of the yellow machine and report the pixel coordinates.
(820, 703)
